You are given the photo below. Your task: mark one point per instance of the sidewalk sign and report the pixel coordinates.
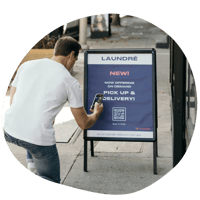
(127, 78)
(100, 26)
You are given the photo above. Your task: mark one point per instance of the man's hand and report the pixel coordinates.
(98, 108)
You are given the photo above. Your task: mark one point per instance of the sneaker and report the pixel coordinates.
(31, 167)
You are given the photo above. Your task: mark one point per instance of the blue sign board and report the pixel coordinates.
(127, 78)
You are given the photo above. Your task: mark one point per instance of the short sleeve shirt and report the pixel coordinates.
(43, 87)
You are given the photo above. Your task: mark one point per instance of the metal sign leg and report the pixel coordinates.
(85, 155)
(155, 157)
(157, 148)
(92, 148)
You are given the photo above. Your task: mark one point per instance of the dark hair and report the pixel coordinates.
(65, 45)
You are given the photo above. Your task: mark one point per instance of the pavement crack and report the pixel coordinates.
(70, 169)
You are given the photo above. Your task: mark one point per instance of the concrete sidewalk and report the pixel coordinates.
(118, 167)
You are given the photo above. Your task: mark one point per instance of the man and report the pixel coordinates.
(39, 91)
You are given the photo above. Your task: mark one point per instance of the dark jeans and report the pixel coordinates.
(45, 158)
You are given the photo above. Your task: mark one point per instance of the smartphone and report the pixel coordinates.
(98, 98)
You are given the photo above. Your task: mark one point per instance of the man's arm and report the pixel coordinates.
(12, 93)
(85, 121)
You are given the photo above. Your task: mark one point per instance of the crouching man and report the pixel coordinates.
(39, 91)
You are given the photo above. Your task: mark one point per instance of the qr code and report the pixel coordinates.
(119, 114)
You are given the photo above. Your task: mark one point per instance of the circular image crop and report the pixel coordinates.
(106, 104)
